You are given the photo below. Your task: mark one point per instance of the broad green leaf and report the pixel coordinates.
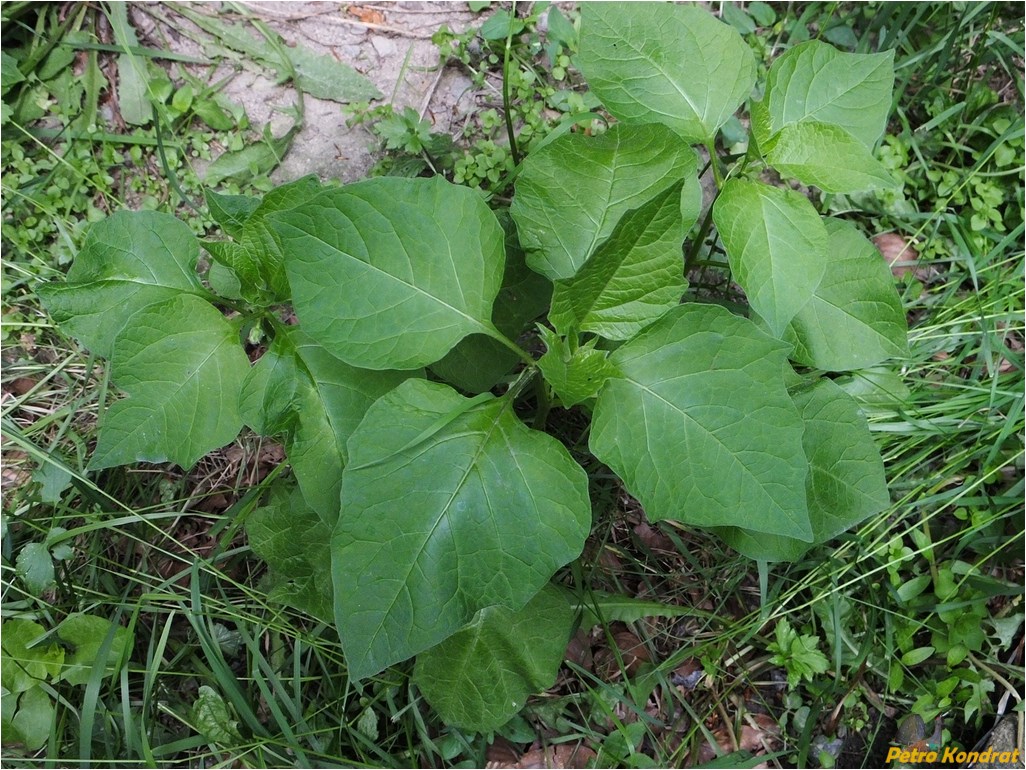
(24, 663)
(599, 607)
(127, 261)
(392, 273)
(9, 72)
(632, 278)
(575, 375)
(300, 389)
(776, 244)
(846, 482)
(828, 157)
(294, 541)
(230, 211)
(35, 567)
(94, 642)
(875, 389)
(478, 363)
(700, 427)
(814, 81)
(181, 366)
(449, 506)
(481, 676)
(323, 76)
(213, 718)
(27, 718)
(854, 319)
(671, 64)
(260, 242)
(571, 193)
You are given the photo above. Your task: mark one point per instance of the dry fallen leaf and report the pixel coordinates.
(897, 251)
(366, 15)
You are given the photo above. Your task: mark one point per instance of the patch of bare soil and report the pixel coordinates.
(389, 43)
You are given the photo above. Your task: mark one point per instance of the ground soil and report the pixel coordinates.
(390, 43)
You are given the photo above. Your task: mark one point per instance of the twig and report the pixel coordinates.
(261, 12)
(431, 92)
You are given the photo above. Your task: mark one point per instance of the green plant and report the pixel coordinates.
(444, 516)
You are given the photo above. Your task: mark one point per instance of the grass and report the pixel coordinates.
(220, 675)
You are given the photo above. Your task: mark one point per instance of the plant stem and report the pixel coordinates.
(696, 244)
(514, 150)
(542, 414)
(710, 146)
(522, 354)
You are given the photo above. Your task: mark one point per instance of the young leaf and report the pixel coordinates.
(27, 718)
(35, 567)
(854, 319)
(129, 260)
(846, 482)
(671, 64)
(289, 536)
(181, 366)
(633, 278)
(575, 375)
(392, 273)
(449, 506)
(571, 193)
(776, 244)
(700, 427)
(259, 241)
(815, 82)
(481, 676)
(828, 157)
(299, 388)
(23, 664)
(87, 635)
(230, 211)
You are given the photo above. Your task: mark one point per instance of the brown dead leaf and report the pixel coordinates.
(22, 385)
(653, 538)
(897, 251)
(501, 753)
(366, 15)
(578, 650)
(688, 674)
(564, 756)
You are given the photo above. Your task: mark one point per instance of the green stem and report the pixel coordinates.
(542, 393)
(696, 244)
(522, 354)
(514, 150)
(710, 146)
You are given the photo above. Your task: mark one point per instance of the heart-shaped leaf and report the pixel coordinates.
(392, 273)
(129, 260)
(670, 64)
(181, 365)
(449, 505)
(700, 427)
